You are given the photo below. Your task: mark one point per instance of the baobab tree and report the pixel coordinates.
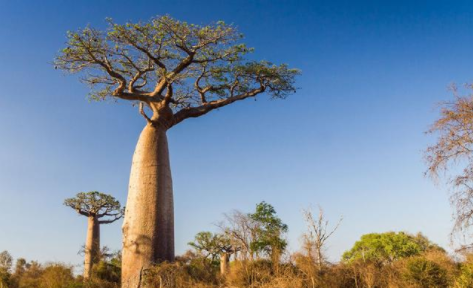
(99, 209)
(176, 71)
(214, 247)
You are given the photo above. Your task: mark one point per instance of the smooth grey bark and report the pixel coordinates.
(148, 228)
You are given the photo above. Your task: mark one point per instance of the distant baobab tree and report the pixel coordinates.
(176, 71)
(100, 209)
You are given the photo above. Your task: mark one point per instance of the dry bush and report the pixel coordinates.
(264, 274)
(366, 274)
(421, 272)
(100, 283)
(178, 275)
(250, 274)
(57, 275)
(464, 278)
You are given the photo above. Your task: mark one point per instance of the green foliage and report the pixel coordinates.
(132, 59)
(211, 245)
(270, 229)
(465, 278)
(108, 268)
(6, 261)
(96, 204)
(4, 278)
(424, 273)
(387, 247)
(57, 276)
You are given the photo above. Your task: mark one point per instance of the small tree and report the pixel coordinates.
(6, 261)
(256, 234)
(385, 248)
(452, 156)
(270, 230)
(216, 247)
(100, 209)
(316, 236)
(241, 231)
(5, 265)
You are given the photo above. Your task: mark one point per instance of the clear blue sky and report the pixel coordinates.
(351, 139)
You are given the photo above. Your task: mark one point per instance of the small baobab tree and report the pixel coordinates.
(176, 71)
(99, 209)
(214, 247)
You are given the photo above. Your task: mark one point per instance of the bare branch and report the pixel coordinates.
(207, 107)
(142, 112)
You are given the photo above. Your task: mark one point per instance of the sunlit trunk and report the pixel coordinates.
(148, 228)
(92, 246)
(224, 261)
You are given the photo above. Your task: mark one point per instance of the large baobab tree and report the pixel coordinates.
(172, 71)
(99, 209)
(451, 156)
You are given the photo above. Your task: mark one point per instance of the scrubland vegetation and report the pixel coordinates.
(250, 251)
(175, 71)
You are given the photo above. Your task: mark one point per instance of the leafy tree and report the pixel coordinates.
(388, 247)
(177, 71)
(57, 275)
(270, 229)
(20, 266)
(5, 265)
(6, 261)
(100, 209)
(215, 247)
(31, 277)
(207, 244)
(109, 267)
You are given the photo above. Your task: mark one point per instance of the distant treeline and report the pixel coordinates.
(249, 251)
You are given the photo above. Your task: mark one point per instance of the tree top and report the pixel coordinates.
(189, 68)
(96, 204)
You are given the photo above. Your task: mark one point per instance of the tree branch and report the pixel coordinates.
(142, 112)
(207, 107)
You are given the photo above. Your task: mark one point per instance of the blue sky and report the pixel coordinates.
(350, 140)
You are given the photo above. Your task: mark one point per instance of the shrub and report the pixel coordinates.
(423, 273)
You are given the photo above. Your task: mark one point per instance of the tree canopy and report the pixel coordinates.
(388, 247)
(96, 204)
(164, 62)
(211, 245)
(6, 261)
(270, 229)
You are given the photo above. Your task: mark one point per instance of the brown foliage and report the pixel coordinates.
(451, 155)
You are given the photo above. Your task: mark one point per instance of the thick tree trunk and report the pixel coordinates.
(224, 261)
(148, 228)
(92, 246)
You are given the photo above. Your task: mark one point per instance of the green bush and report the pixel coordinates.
(424, 273)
